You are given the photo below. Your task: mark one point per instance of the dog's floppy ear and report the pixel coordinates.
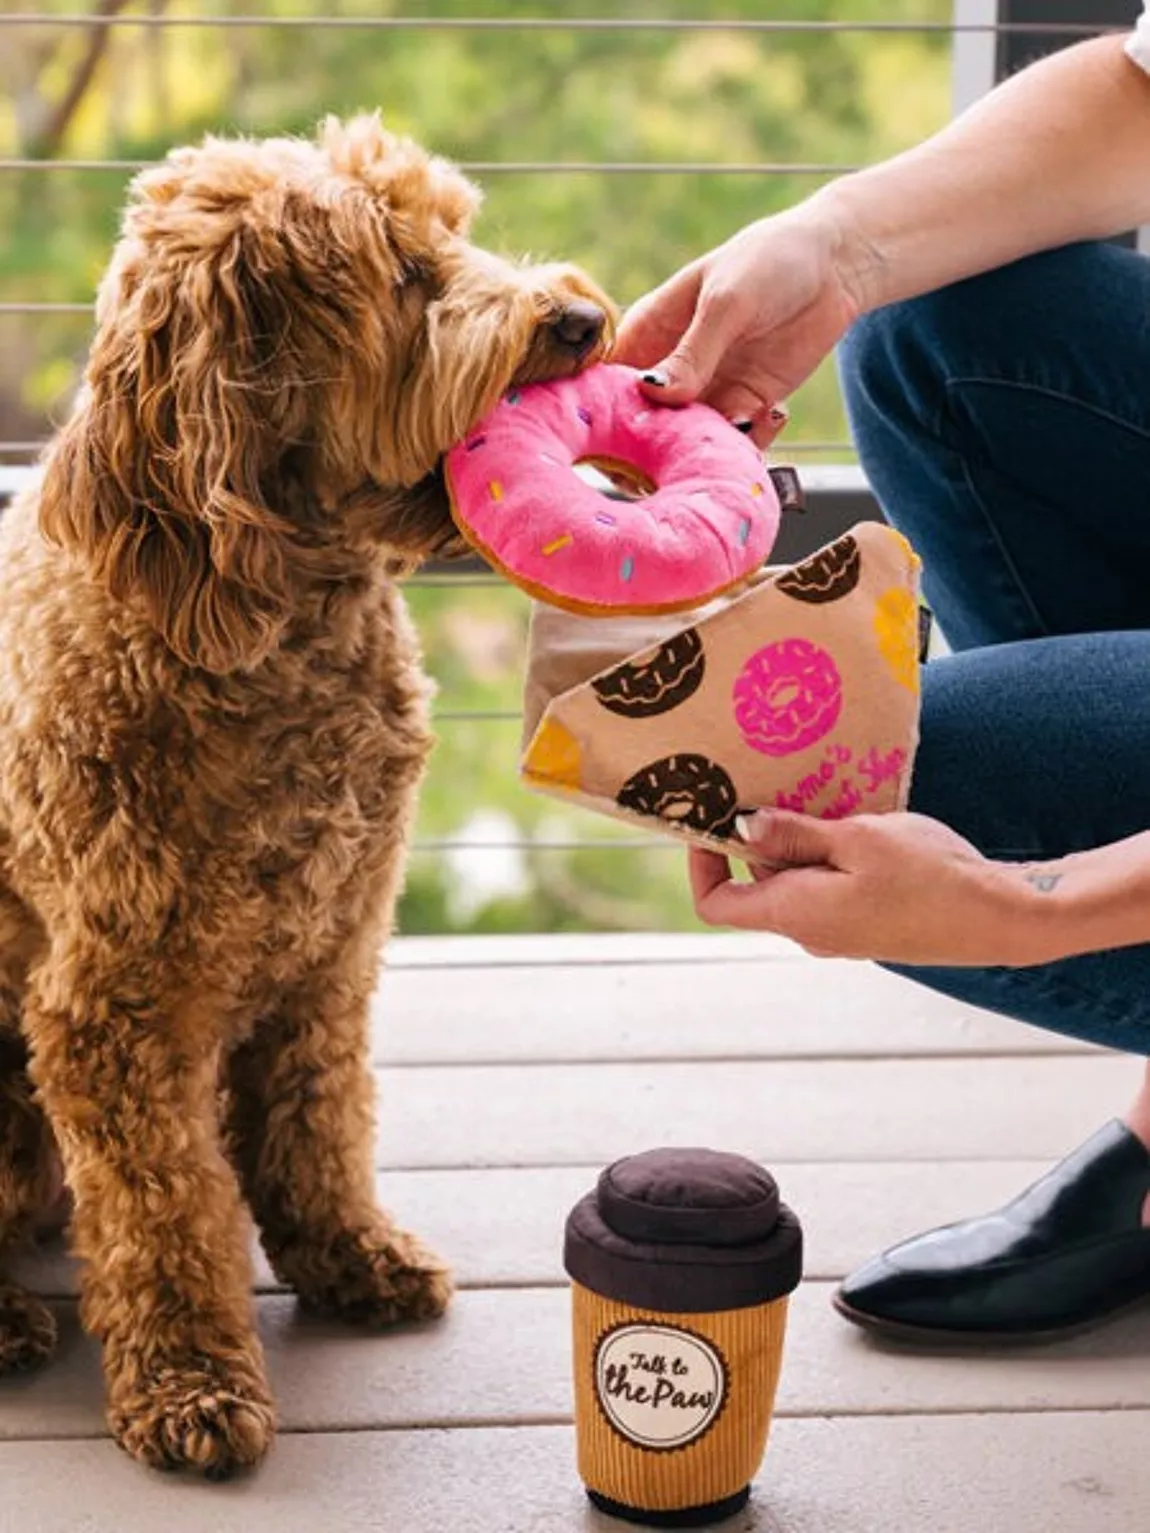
(162, 479)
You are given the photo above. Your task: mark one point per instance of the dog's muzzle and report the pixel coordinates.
(579, 328)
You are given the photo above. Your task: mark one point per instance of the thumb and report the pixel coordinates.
(786, 839)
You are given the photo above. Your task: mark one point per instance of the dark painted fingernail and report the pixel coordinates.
(656, 379)
(779, 414)
(743, 425)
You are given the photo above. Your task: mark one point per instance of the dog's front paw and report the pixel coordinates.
(27, 1330)
(191, 1418)
(374, 1278)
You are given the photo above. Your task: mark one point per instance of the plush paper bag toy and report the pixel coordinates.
(801, 693)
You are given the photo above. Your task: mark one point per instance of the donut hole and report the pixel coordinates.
(785, 694)
(616, 479)
(678, 807)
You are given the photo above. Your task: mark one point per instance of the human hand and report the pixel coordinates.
(897, 888)
(742, 327)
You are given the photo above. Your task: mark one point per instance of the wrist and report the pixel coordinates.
(1040, 913)
(860, 264)
(1090, 902)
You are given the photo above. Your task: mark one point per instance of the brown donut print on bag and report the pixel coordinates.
(686, 790)
(828, 575)
(657, 682)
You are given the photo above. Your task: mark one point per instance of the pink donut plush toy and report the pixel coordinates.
(704, 522)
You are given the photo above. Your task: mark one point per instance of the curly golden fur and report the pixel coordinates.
(213, 724)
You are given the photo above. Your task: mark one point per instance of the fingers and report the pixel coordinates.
(688, 369)
(760, 419)
(768, 423)
(792, 840)
(783, 840)
(719, 901)
(792, 902)
(651, 327)
(740, 404)
(679, 335)
(680, 349)
(707, 872)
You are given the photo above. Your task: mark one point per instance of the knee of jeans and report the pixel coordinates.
(892, 360)
(897, 359)
(887, 364)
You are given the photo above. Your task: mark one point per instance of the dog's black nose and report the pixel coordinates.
(579, 326)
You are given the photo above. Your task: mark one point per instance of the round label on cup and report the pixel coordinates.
(659, 1386)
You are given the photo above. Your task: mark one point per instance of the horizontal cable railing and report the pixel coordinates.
(780, 25)
(522, 167)
(530, 844)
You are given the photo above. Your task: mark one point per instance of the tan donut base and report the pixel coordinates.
(569, 604)
(721, 1462)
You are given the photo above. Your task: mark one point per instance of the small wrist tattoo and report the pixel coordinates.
(1045, 883)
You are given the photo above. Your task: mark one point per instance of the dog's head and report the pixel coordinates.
(289, 337)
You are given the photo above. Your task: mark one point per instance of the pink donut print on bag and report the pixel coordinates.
(787, 696)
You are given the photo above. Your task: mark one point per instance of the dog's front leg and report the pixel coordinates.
(27, 1326)
(127, 1070)
(302, 1132)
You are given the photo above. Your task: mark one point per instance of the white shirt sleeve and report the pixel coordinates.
(1139, 45)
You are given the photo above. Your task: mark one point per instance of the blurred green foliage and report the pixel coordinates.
(509, 95)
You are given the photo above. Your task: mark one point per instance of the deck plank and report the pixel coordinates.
(1085, 1473)
(536, 951)
(621, 1011)
(504, 1228)
(502, 1357)
(776, 1111)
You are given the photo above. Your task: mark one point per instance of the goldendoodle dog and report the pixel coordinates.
(213, 724)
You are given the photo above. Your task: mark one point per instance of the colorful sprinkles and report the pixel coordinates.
(699, 509)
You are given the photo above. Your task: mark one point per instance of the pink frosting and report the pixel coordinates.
(710, 522)
(787, 696)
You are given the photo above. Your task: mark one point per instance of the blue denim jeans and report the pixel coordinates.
(1004, 423)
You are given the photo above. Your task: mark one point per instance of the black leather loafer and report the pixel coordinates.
(1067, 1254)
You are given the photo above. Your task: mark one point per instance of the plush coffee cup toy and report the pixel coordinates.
(682, 1261)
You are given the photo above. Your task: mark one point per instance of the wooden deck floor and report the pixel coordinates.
(511, 1071)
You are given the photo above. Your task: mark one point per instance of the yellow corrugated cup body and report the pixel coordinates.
(681, 1262)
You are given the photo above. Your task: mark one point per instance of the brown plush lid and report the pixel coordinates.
(685, 1230)
(689, 1197)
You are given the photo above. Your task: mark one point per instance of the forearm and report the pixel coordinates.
(1059, 153)
(1085, 903)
